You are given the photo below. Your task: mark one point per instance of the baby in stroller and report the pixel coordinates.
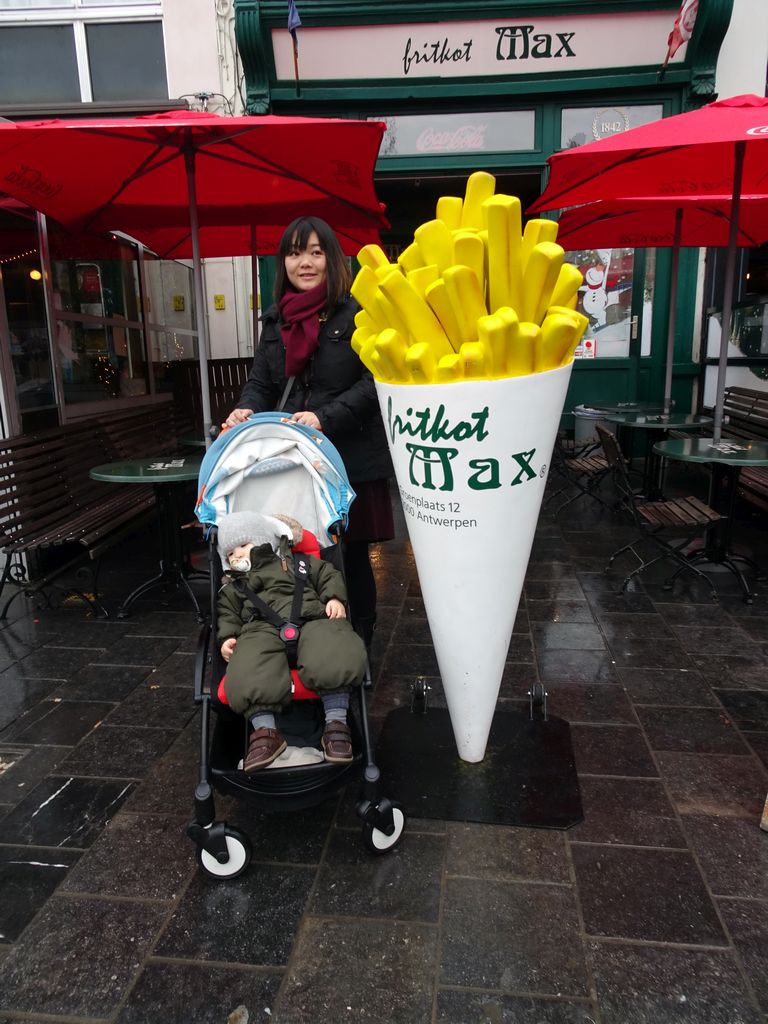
(277, 610)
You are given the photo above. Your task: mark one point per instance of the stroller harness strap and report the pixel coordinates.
(288, 629)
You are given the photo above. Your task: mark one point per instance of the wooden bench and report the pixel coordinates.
(53, 515)
(745, 418)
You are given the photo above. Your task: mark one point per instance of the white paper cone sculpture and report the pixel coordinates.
(471, 460)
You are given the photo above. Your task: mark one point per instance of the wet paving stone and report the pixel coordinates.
(567, 636)
(405, 884)
(553, 590)
(695, 730)
(748, 708)
(631, 812)
(740, 672)
(747, 924)
(726, 785)
(517, 679)
(499, 935)
(579, 702)
(252, 919)
(632, 626)
(758, 741)
(139, 650)
(64, 811)
(673, 687)
(155, 705)
(118, 752)
(648, 985)
(410, 659)
(55, 662)
(652, 895)
(101, 683)
(732, 853)
(23, 767)
(654, 652)
(507, 853)
(719, 640)
(139, 856)
(28, 877)
(611, 750)
(609, 602)
(20, 695)
(577, 667)
(457, 1007)
(178, 669)
(200, 993)
(65, 723)
(78, 957)
(387, 978)
(520, 648)
(560, 610)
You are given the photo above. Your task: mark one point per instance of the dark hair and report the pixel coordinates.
(338, 274)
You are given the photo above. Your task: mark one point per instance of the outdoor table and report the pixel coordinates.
(166, 473)
(654, 425)
(727, 458)
(622, 407)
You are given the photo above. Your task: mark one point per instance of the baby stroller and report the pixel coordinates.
(270, 465)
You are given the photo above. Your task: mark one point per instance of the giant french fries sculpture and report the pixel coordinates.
(470, 337)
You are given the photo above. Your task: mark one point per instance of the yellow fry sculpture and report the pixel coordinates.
(473, 297)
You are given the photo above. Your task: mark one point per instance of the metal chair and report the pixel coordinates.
(582, 468)
(687, 518)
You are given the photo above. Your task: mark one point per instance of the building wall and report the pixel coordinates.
(741, 66)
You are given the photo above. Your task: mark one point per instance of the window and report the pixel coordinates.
(127, 60)
(50, 50)
(88, 58)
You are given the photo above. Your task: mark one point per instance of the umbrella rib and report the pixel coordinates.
(139, 172)
(267, 164)
(629, 158)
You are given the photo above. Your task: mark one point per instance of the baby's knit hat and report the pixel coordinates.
(240, 528)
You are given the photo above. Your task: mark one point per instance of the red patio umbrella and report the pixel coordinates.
(192, 170)
(655, 221)
(720, 149)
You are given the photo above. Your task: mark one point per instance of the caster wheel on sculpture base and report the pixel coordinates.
(239, 850)
(377, 840)
(537, 701)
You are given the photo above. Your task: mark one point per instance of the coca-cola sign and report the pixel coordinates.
(489, 132)
(468, 138)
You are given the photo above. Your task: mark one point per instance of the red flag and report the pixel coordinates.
(683, 28)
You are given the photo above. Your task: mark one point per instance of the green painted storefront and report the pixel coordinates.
(410, 182)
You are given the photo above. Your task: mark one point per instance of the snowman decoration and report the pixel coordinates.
(595, 298)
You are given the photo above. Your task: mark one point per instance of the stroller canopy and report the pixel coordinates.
(268, 464)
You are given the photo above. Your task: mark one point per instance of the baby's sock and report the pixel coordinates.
(335, 706)
(264, 720)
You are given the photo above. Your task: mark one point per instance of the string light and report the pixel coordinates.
(20, 256)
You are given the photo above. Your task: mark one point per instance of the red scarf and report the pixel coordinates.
(299, 313)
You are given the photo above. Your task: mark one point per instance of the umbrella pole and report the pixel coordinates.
(254, 287)
(672, 310)
(197, 277)
(730, 271)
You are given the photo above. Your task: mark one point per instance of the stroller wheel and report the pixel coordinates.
(239, 850)
(377, 840)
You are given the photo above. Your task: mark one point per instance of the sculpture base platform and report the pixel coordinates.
(528, 776)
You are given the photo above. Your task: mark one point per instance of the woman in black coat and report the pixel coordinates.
(305, 340)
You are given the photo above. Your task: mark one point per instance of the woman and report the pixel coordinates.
(305, 343)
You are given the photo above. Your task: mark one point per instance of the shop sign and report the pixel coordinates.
(463, 49)
(492, 132)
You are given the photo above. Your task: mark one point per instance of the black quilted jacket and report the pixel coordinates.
(334, 385)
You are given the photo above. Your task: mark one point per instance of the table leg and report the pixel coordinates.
(173, 564)
(723, 490)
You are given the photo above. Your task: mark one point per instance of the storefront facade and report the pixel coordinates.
(91, 323)
(501, 88)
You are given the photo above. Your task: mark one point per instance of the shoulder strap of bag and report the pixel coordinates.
(285, 394)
